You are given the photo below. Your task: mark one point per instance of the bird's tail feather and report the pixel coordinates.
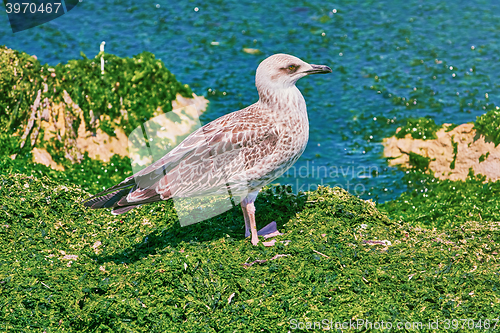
(106, 201)
(117, 197)
(126, 184)
(116, 200)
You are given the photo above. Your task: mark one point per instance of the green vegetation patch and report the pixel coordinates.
(433, 203)
(489, 125)
(419, 128)
(455, 152)
(483, 157)
(419, 162)
(64, 267)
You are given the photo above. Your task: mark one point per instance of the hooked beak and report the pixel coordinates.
(318, 69)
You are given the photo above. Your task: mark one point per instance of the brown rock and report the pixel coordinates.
(471, 146)
(43, 157)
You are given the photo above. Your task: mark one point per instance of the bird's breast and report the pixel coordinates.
(292, 124)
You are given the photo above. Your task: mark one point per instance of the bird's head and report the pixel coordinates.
(281, 71)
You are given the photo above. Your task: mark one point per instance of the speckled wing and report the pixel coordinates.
(224, 155)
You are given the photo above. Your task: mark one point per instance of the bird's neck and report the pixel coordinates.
(285, 100)
(287, 106)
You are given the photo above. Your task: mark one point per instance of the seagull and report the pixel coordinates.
(240, 152)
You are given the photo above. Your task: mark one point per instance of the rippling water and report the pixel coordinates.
(391, 60)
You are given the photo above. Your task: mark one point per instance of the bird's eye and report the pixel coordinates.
(291, 67)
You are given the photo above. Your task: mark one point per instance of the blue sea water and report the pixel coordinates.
(442, 57)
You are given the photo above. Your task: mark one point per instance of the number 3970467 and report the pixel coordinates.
(27, 7)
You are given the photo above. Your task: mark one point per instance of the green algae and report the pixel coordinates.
(419, 162)
(489, 125)
(419, 128)
(483, 157)
(455, 152)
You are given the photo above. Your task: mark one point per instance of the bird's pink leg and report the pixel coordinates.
(249, 212)
(248, 207)
(253, 224)
(247, 221)
(249, 215)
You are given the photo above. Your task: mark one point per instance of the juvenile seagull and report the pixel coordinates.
(241, 151)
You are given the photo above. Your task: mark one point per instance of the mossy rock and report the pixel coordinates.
(50, 107)
(45, 108)
(140, 85)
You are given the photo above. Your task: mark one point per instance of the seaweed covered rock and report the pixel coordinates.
(434, 203)
(62, 112)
